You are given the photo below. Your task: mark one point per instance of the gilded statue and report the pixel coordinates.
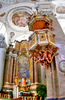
(16, 80)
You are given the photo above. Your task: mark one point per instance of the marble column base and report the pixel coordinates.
(52, 99)
(63, 98)
(36, 82)
(8, 86)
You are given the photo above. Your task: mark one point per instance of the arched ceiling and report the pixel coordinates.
(15, 19)
(16, 13)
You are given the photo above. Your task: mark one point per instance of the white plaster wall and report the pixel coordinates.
(2, 59)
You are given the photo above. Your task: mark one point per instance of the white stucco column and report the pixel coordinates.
(2, 59)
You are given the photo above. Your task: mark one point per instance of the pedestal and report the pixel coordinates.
(15, 92)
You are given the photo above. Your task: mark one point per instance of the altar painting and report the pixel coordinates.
(24, 66)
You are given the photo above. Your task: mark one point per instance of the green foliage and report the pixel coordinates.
(21, 90)
(11, 93)
(41, 90)
(29, 91)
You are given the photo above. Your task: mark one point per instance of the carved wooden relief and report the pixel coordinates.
(24, 44)
(42, 37)
(51, 38)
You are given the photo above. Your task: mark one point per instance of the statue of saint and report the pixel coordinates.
(16, 80)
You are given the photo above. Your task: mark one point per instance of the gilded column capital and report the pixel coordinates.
(10, 53)
(9, 56)
(15, 56)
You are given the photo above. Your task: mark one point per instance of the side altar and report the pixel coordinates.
(18, 65)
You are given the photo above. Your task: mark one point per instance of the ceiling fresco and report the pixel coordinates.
(20, 18)
(60, 10)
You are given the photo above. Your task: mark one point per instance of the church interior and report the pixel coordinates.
(32, 49)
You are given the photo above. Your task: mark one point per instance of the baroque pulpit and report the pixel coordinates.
(42, 47)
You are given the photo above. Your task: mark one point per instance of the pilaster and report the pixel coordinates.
(8, 65)
(49, 82)
(32, 69)
(36, 71)
(14, 66)
(11, 69)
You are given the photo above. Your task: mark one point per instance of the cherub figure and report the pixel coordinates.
(44, 57)
(38, 57)
(51, 55)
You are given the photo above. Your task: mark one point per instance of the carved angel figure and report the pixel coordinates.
(45, 56)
